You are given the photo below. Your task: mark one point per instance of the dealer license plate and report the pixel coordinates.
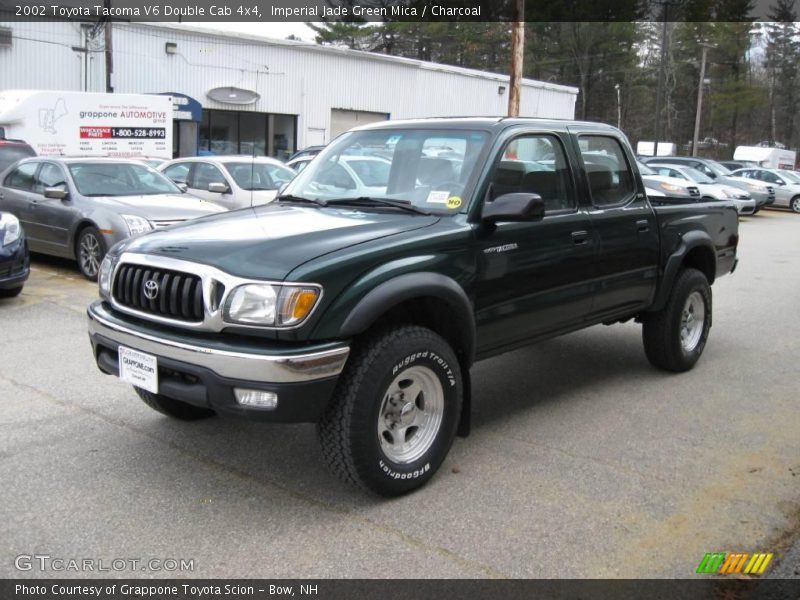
(139, 369)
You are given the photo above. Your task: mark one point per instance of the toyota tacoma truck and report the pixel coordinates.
(405, 252)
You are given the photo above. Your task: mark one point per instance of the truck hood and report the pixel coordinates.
(267, 242)
(160, 207)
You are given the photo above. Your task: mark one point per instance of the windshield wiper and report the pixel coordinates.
(371, 201)
(291, 198)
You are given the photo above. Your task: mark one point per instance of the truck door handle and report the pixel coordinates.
(643, 225)
(580, 237)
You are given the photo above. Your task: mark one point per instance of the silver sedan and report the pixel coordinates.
(78, 208)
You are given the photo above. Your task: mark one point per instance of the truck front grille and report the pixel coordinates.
(161, 292)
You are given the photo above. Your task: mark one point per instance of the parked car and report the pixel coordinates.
(363, 175)
(79, 207)
(762, 193)
(732, 165)
(13, 150)
(151, 161)
(311, 151)
(14, 257)
(664, 189)
(299, 163)
(364, 314)
(230, 181)
(786, 184)
(710, 189)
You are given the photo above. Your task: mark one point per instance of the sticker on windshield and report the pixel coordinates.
(435, 197)
(454, 202)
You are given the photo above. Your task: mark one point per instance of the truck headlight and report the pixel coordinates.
(105, 273)
(137, 225)
(10, 224)
(270, 305)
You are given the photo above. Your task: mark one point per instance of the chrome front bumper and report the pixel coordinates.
(255, 366)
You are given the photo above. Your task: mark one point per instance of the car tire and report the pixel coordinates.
(173, 408)
(374, 433)
(675, 336)
(11, 293)
(90, 248)
(794, 204)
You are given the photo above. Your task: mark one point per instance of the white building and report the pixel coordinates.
(243, 93)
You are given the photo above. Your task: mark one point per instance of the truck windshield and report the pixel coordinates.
(429, 169)
(119, 179)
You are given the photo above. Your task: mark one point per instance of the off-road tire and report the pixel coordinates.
(349, 429)
(661, 331)
(173, 408)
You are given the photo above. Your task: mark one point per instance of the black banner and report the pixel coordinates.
(397, 589)
(383, 10)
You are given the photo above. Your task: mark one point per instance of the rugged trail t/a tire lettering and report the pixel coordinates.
(173, 408)
(675, 336)
(395, 412)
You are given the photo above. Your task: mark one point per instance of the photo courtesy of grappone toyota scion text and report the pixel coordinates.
(361, 305)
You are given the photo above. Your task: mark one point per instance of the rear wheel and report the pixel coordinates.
(173, 408)
(395, 412)
(795, 204)
(675, 336)
(90, 250)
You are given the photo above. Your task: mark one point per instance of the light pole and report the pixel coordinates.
(700, 86)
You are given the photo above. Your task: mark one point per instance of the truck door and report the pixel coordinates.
(628, 251)
(533, 277)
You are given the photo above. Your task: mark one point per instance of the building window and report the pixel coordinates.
(238, 132)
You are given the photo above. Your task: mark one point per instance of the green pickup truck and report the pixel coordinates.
(405, 252)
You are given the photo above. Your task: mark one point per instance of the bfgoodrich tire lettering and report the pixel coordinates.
(173, 408)
(675, 336)
(395, 411)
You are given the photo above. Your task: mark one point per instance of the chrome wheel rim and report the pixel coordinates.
(89, 254)
(410, 415)
(796, 205)
(693, 318)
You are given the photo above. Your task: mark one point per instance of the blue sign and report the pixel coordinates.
(185, 108)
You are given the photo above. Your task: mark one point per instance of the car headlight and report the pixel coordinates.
(105, 273)
(270, 305)
(137, 225)
(753, 187)
(10, 224)
(673, 188)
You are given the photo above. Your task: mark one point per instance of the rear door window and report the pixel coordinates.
(610, 178)
(22, 178)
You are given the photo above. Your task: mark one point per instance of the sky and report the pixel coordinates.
(271, 30)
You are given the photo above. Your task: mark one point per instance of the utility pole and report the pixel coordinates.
(517, 46)
(619, 107)
(696, 137)
(109, 51)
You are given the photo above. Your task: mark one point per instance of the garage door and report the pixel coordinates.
(344, 120)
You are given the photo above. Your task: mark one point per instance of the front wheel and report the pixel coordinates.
(90, 250)
(795, 204)
(675, 336)
(395, 411)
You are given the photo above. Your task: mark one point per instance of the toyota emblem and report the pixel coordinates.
(151, 289)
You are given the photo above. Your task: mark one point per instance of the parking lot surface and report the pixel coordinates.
(583, 461)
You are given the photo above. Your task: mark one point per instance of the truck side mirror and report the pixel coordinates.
(218, 188)
(514, 207)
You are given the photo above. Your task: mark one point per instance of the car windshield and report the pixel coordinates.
(119, 179)
(697, 176)
(718, 168)
(252, 176)
(791, 177)
(644, 169)
(430, 169)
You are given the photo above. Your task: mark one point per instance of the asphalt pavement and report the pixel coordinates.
(583, 461)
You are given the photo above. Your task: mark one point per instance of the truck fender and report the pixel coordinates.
(689, 241)
(393, 292)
